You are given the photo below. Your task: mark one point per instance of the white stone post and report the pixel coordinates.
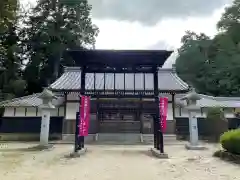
(193, 128)
(46, 107)
(45, 123)
(192, 108)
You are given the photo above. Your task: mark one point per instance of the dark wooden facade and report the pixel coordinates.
(120, 116)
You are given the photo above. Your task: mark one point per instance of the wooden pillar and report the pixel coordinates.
(157, 130)
(140, 112)
(64, 130)
(173, 112)
(83, 77)
(79, 141)
(98, 115)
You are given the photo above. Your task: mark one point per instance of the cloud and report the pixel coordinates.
(152, 11)
(164, 35)
(161, 45)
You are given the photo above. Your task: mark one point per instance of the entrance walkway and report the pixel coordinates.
(113, 163)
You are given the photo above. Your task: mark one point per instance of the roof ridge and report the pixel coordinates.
(220, 98)
(77, 68)
(165, 70)
(20, 98)
(72, 69)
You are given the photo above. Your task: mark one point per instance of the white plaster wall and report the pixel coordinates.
(20, 112)
(71, 109)
(182, 112)
(31, 112)
(229, 112)
(8, 112)
(39, 112)
(54, 112)
(170, 112)
(73, 96)
(61, 111)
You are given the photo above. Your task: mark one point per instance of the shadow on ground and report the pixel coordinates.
(27, 149)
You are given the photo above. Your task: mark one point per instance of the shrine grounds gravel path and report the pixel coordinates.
(113, 162)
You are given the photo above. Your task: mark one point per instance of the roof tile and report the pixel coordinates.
(167, 81)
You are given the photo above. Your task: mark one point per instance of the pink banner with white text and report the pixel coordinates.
(163, 109)
(84, 116)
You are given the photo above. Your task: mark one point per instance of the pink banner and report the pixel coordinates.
(84, 116)
(163, 109)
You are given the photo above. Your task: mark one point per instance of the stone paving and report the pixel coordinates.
(109, 162)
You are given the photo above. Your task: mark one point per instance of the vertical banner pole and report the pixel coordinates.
(76, 133)
(80, 138)
(160, 132)
(163, 106)
(83, 76)
(157, 113)
(155, 131)
(83, 120)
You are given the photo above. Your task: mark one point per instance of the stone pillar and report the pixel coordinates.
(47, 96)
(192, 108)
(193, 128)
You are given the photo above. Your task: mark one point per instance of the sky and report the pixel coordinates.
(152, 24)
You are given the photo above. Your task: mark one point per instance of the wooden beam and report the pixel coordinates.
(173, 112)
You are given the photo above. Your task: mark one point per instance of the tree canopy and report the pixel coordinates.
(32, 43)
(8, 13)
(212, 65)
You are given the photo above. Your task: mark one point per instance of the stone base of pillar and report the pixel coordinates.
(196, 147)
(77, 154)
(157, 154)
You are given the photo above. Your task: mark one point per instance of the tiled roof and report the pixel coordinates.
(29, 101)
(206, 101)
(71, 80)
(211, 101)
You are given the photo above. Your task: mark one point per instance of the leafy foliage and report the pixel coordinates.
(54, 26)
(32, 42)
(212, 65)
(11, 82)
(217, 124)
(230, 141)
(215, 113)
(8, 13)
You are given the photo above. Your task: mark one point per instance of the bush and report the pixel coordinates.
(217, 123)
(215, 113)
(230, 141)
(224, 155)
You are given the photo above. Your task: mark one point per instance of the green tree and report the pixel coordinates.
(192, 64)
(230, 21)
(8, 13)
(11, 82)
(54, 26)
(212, 65)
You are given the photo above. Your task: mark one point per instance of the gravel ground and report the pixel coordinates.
(112, 163)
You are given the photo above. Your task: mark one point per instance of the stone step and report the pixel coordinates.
(168, 138)
(120, 127)
(121, 138)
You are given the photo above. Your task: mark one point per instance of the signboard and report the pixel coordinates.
(163, 109)
(84, 116)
